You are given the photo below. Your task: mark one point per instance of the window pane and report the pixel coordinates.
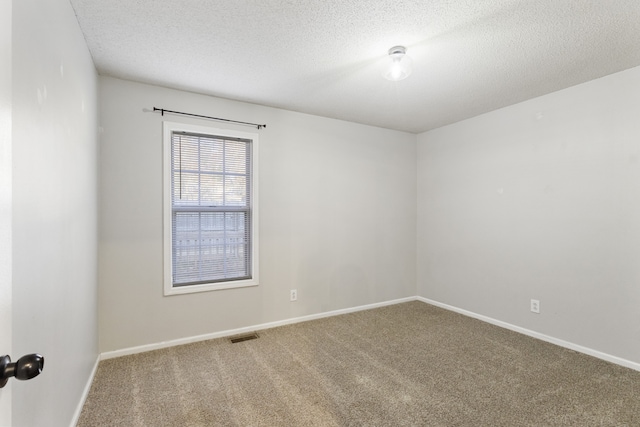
(235, 191)
(211, 153)
(185, 189)
(211, 190)
(236, 157)
(185, 153)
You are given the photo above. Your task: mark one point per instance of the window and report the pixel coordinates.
(210, 209)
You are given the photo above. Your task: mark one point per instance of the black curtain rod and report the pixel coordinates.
(162, 111)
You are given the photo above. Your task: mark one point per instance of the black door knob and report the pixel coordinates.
(25, 368)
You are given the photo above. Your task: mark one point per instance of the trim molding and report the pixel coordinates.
(566, 344)
(238, 331)
(230, 332)
(85, 393)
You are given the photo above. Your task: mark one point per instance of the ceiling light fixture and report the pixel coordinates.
(400, 65)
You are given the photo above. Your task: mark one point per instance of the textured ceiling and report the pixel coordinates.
(325, 57)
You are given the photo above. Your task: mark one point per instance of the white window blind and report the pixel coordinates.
(210, 208)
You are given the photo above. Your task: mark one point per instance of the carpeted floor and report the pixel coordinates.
(410, 364)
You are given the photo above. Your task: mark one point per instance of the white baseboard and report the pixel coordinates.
(231, 332)
(85, 393)
(566, 344)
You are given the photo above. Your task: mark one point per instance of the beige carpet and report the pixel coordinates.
(410, 364)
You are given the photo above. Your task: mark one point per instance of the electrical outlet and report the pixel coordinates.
(293, 295)
(535, 306)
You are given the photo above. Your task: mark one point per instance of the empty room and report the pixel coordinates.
(319, 213)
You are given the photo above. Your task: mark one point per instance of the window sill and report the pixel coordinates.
(206, 287)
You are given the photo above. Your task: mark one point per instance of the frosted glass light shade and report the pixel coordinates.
(399, 66)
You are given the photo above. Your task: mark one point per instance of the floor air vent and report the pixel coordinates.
(244, 337)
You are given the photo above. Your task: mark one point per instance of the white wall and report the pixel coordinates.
(337, 218)
(5, 200)
(54, 210)
(540, 200)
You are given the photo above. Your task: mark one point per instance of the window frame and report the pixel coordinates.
(169, 289)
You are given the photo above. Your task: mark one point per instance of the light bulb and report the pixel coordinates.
(400, 64)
